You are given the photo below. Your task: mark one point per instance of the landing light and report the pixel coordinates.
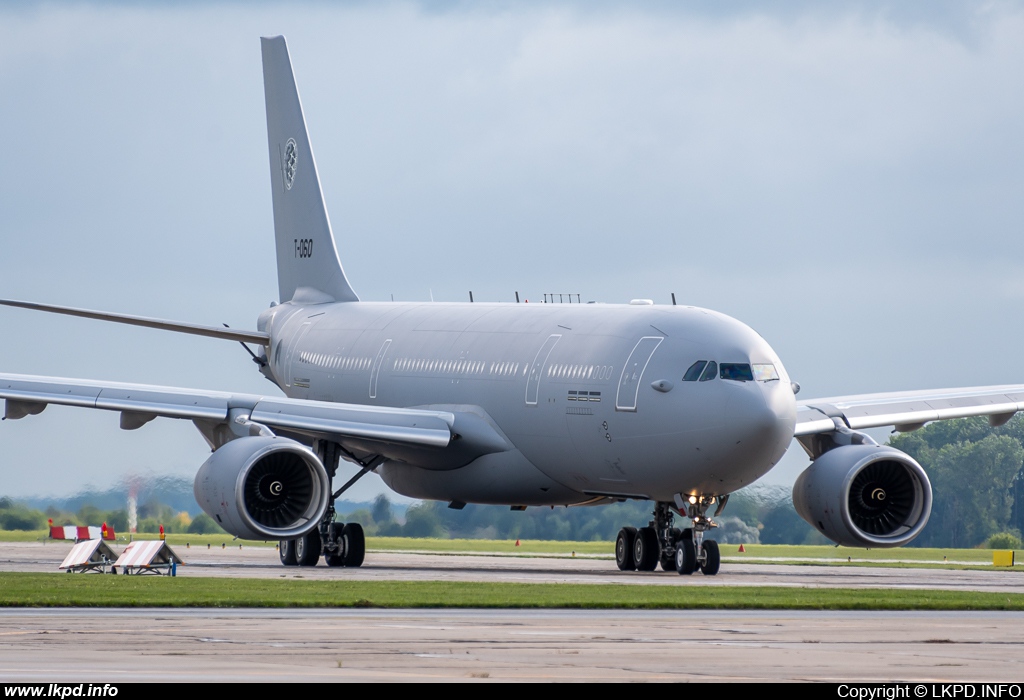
(693, 500)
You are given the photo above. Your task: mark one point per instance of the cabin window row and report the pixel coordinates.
(335, 361)
(461, 367)
(565, 371)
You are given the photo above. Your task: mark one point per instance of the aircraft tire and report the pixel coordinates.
(307, 548)
(354, 549)
(645, 549)
(686, 557)
(286, 548)
(337, 557)
(713, 558)
(624, 549)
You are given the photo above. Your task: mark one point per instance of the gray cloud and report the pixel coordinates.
(844, 180)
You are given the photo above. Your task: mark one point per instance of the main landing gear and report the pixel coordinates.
(340, 544)
(683, 551)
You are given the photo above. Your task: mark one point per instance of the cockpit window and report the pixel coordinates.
(766, 373)
(739, 372)
(693, 374)
(710, 371)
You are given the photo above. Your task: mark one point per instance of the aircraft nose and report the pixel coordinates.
(761, 415)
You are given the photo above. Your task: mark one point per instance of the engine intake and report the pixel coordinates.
(865, 496)
(264, 488)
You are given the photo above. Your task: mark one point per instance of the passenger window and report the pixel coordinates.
(737, 372)
(693, 374)
(709, 372)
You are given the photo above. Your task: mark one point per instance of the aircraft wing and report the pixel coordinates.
(908, 410)
(138, 403)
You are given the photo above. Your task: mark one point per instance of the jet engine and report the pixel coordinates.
(865, 496)
(264, 488)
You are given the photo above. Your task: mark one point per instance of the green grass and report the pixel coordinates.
(23, 535)
(786, 551)
(122, 538)
(94, 590)
(381, 544)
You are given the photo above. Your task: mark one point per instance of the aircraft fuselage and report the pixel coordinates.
(591, 396)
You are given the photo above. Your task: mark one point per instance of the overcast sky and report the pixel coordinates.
(847, 181)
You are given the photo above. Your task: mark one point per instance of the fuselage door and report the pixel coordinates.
(629, 380)
(375, 373)
(537, 368)
(294, 373)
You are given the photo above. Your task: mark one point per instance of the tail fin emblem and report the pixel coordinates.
(290, 158)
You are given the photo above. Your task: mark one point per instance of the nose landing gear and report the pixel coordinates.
(684, 551)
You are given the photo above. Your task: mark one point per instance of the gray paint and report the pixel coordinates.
(305, 252)
(703, 436)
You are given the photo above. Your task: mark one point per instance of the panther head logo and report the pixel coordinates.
(291, 156)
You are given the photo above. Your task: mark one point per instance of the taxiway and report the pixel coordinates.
(246, 645)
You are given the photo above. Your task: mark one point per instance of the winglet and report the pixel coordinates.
(307, 258)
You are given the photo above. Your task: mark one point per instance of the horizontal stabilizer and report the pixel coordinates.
(176, 326)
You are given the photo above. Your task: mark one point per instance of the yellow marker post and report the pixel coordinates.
(1002, 557)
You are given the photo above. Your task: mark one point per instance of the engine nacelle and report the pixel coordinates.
(264, 488)
(865, 496)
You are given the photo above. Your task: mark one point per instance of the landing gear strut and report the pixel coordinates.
(341, 544)
(683, 551)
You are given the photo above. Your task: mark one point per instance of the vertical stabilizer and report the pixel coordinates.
(307, 259)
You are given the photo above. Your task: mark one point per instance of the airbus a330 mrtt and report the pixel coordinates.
(514, 404)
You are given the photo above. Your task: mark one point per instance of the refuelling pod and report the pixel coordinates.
(264, 488)
(865, 496)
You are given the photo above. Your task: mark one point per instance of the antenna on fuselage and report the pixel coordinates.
(673, 298)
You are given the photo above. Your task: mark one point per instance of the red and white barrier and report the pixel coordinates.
(80, 533)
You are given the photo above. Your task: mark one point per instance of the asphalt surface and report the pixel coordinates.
(263, 562)
(108, 646)
(112, 645)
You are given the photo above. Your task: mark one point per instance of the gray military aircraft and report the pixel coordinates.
(512, 404)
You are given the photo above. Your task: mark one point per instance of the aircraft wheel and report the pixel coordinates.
(686, 557)
(307, 548)
(286, 548)
(624, 549)
(337, 557)
(645, 549)
(712, 558)
(353, 544)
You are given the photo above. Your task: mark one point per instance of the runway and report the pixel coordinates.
(263, 562)
(140, 645)
(101, 646)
